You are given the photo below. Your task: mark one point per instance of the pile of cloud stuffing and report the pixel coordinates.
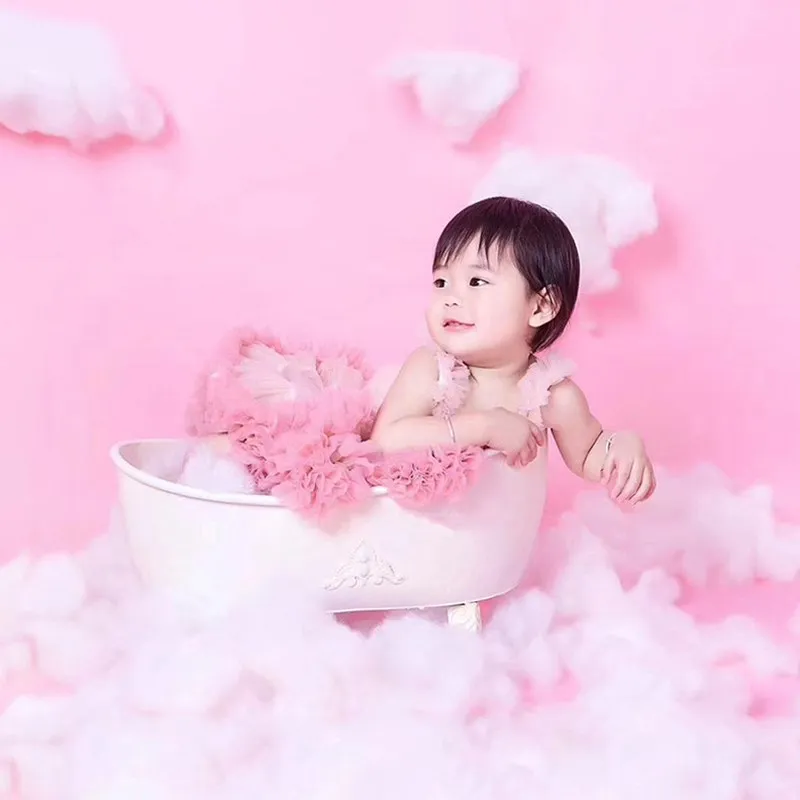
(594, 684)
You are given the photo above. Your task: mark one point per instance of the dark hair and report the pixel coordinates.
(539, 243)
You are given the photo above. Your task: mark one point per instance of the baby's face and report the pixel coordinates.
(480, 310)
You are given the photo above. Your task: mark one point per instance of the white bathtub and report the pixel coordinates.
(221, 549)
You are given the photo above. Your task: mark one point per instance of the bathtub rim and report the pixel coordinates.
(129, 470)
(123, 465)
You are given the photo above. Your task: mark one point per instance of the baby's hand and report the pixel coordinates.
(514, 435)
(627, 471)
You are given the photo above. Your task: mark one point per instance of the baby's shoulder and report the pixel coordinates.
(438, 375)
(412, 389)
(421, 364)
(566, 403)
(547, 386)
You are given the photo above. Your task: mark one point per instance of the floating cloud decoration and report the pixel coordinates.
(460, 91)
(67, 80)
(604, 204)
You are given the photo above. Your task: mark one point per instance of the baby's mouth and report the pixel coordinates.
(456, 325)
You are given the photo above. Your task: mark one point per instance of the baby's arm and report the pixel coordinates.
(405, 420)
(579, 436)
(584, 446)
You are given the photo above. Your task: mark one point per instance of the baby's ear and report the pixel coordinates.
(544, 306)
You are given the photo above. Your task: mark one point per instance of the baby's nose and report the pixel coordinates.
(452, 300)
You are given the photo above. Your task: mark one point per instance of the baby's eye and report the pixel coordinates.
(477, 282)
(439, 283)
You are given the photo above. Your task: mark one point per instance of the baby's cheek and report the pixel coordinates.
(431, 315)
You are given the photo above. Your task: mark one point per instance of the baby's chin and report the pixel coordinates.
(462, 350)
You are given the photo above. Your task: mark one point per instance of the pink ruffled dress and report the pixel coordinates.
(453, 384)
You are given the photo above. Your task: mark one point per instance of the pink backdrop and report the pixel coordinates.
(300, 193)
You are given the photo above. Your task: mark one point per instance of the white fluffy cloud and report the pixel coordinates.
(68, 80)
(595, 684)
(460, 91)
(604, 203)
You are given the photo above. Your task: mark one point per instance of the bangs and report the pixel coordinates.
(493, 227)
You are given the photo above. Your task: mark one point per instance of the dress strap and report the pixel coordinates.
(535, 385)
(452, 384)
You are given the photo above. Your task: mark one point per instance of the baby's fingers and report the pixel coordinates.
(525, 455)
(653, 484)
(634, 482)
(531, 451)
(623, 473)
(647, 487)
(514, 457)
(539, 435)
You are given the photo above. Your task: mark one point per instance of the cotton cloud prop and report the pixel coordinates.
(67, 80)
(460, 91)
(595, 685)
(604, 204)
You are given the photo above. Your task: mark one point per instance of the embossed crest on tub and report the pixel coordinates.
(364, 568)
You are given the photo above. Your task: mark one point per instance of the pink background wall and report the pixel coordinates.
(301, 193)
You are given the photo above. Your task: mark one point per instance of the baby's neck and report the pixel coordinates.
(507, 371)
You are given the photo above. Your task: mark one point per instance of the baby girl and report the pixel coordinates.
(505, 284)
